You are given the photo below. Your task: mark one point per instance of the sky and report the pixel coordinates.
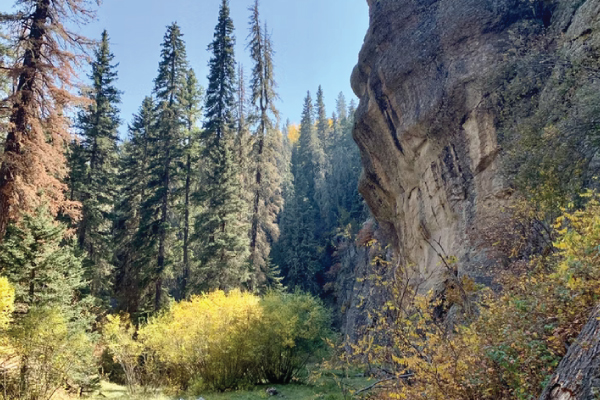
(316, 42)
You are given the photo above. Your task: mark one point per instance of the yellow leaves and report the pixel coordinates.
(223, 340)
(518, 336)
(7, 302)
(294, 133)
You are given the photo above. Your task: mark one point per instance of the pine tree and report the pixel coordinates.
(244, 141)
(298, 251)
(342, 109)
(132, 274)
(322, 162)
(32, 168)
(221, 231)
(98, 126)
(347, 206)
(165, 154)
(192, 109)
(267, 200)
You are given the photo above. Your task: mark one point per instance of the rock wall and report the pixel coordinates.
(425, 127)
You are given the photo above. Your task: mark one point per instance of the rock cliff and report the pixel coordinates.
(427, 126)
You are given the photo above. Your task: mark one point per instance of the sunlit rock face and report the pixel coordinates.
(425, 127)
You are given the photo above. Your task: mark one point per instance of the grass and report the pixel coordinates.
(327, 387)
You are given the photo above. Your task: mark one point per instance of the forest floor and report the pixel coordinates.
(328, 386)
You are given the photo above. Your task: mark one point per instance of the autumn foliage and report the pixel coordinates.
(429, 347)
(47, 55)
(221, 341)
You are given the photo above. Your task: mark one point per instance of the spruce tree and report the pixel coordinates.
(347, 206)
(267, 200)
(165, 154)
(44, 271)
(98, 126)
(244, 141)
(192, 109)
(132, 274)
(221, 230)
(321, 160)
(298, 251)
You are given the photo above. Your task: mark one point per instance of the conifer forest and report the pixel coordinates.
(436, 239)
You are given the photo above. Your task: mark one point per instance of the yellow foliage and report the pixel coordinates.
(118, 335)
(7, 302)
(205, 337)
(294, 133)
(51, 349)
(511, 346)
(221, 341)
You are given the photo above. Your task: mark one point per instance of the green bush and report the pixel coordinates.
(292, 329)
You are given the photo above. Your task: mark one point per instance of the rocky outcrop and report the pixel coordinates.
(425, 124)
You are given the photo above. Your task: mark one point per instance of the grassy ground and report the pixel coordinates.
(328, 387)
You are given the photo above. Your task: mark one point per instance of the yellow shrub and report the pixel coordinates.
(118, 335)
(222, 341)
(7, 302)
(207, 338)
(53, 351)
(511, 347)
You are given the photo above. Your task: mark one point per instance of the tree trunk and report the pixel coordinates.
(578, 374)
(186, 228)
(21, 112)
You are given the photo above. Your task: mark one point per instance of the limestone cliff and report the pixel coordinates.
(426, 126)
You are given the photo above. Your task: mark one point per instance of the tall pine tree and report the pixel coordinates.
(267, 199)
(98, 126)
(192, 109)
(298, 251)
(132, 275)
(221, 231)
(166, 152)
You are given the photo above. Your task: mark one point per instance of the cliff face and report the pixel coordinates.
(425, 128)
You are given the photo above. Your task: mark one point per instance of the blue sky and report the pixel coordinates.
(316, 41)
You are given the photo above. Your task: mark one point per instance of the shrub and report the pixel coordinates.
(7, 302)
(223, 341)
(48, 340)
(118, 335)
(53, 352)
(206, 338)
(509, 348)
(292, 329)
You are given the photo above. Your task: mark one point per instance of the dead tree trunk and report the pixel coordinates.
(578, 374)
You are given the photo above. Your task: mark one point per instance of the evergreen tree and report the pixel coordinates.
(99, 125)
(221, 230)
(132, 271)
(165, 154)
(267, 200)
(342, 109)
(50, 300)
(76, 159)
(244, 141)
(299, 255)
(45, 272)
(347, 206)
(192, 109)
(321, 159)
